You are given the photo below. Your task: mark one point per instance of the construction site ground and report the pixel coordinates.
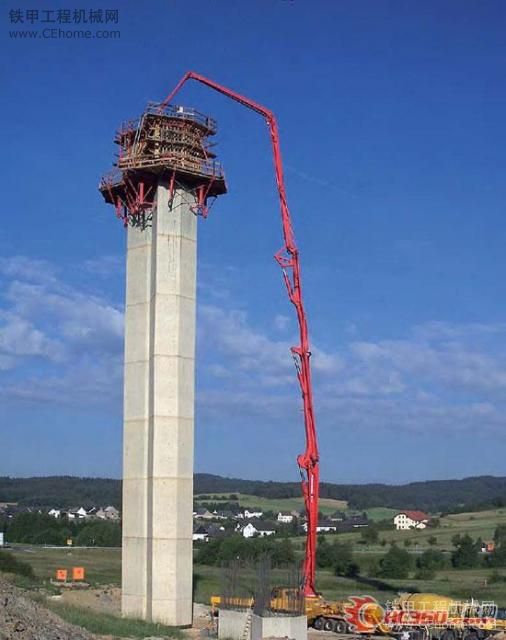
(21, 618)
(24, 618)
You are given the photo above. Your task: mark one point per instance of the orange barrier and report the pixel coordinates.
(77, 573)
(61, 574)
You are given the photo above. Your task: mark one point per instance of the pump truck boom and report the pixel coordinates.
(288, 259)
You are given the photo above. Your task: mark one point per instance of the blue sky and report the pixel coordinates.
(393, 135)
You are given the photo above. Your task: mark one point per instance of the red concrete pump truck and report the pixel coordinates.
(288, 259)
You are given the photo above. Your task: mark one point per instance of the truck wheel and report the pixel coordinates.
(340, 626)
(328, 624)
(318, 624)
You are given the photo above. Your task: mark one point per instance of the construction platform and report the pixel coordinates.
(169, 144)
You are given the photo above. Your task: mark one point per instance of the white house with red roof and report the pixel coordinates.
(411, 520)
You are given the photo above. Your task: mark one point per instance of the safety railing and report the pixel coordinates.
(184, 113)
(111, 178)
(208, 168)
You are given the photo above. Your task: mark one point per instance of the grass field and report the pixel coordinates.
(103, 565)
(327, 505)
(110, 625)
(480, 524)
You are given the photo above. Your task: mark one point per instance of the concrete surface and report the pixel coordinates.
(293, 627)
(232, 624)
(158, 415)
(244, 625)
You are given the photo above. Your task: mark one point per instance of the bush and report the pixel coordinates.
(26, 527)
(41, 528)
(370, 534)
(10, 564)
(496, 577)
(100, 534)
(372, 568)
(48, 536)
(396, 563)
(498, 557)
(425, 574)
(432, 560)
(336, 556)
(467, 552)
(217, 552)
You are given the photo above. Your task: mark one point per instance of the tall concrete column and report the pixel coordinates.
(159, 414)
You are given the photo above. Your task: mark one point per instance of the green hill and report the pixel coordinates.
(469, 494)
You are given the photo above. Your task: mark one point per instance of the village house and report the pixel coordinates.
(252, 514)
(257, 528)
(111, 513)
(203, 514)
(204, 533)
(285, 518)
(411, 520)
(337, 516)
(323, 526)
(357, 521)
(200, 533)
(77, 514)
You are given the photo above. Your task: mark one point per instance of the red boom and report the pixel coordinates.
(288, 259)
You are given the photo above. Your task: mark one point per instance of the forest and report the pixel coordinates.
(468, 494)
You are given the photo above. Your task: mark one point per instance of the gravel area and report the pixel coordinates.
(23, 619)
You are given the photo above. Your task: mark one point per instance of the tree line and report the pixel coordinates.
(40, 528)
(237, 548)
(469, 494)
(399, 563)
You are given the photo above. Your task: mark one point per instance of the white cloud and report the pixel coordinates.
(253, 353)
(440, 377)
(105, 266)
(65, 343)
(281, 322)
(454, 364)
(28, 269)
(86, 383)
(450, 331)
(19, 337)
(86, 321)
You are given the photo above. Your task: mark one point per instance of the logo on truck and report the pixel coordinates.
(364, 614)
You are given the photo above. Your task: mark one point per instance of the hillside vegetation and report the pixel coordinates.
(484, 581)
(469, 494)
(327, 505)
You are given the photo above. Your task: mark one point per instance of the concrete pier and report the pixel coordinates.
(159, 414)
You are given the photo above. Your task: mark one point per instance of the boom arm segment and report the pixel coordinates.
(288, 259)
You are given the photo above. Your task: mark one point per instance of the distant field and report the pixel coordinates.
(381, 513)
(327, 505)
(103, 566)
(480, 524)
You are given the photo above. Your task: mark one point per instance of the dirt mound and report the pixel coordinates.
(23, 619)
